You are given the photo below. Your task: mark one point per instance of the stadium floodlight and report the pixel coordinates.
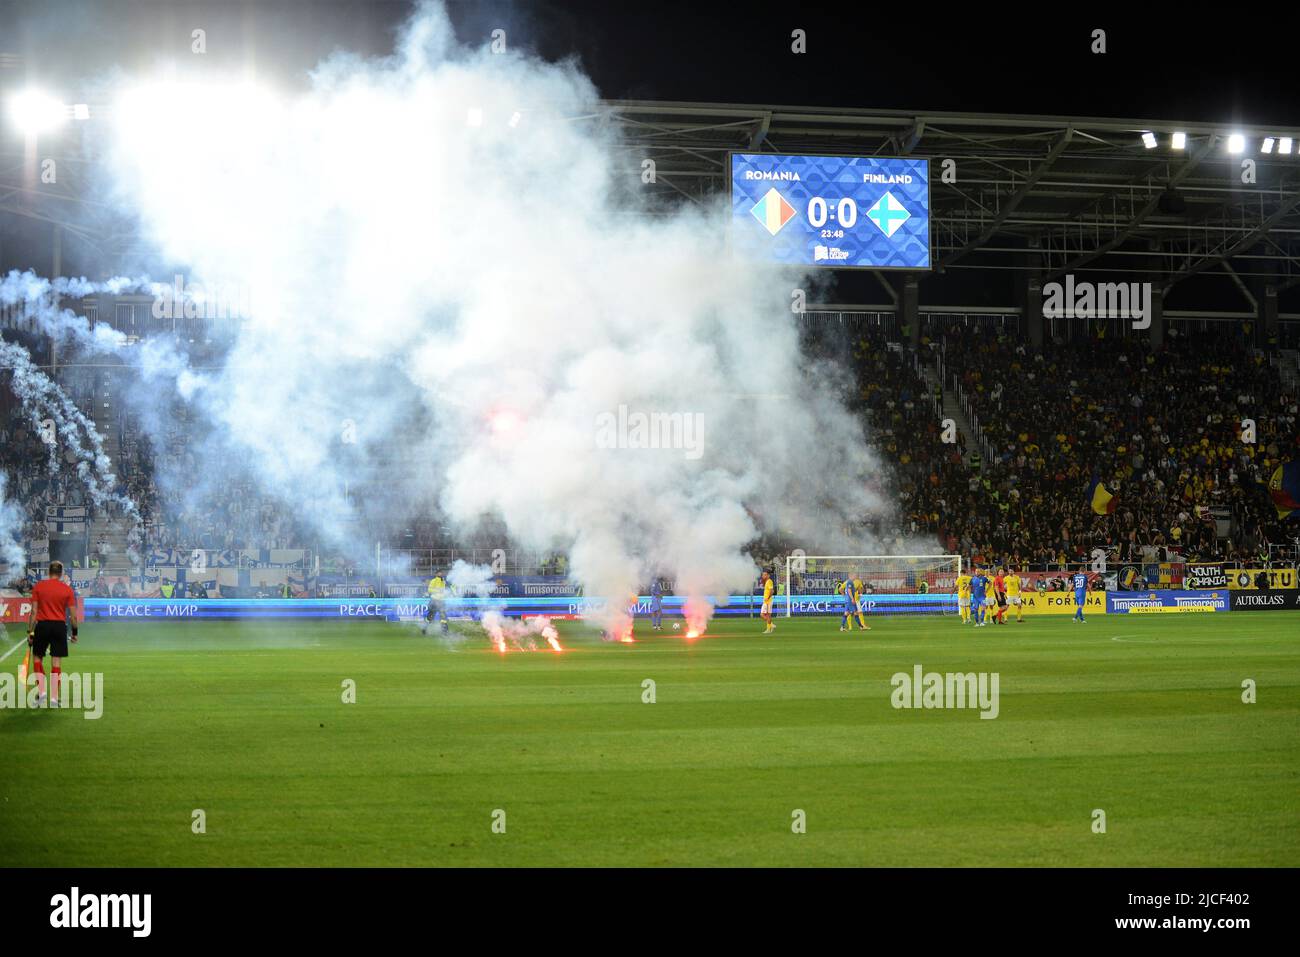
(1236, 143)
(1179, 141)
(1267, 146)
(1149, 140)
(1284, 146)
(36, 112)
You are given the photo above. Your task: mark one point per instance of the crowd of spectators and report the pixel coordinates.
(31, 484)
(1184, 437)
(1166, 433)
(191, 512)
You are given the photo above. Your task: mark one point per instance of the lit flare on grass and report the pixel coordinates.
(620, 629)
(551, 635)
(697, 612)
(508, 634)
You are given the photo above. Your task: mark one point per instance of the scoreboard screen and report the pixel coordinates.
(862, 212)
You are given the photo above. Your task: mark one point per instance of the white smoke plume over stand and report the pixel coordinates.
(64, 427)
(469, 580)
(448, 256)
(51, 413)
(39, 298)
(11, 552)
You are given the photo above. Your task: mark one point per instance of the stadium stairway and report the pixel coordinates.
(1288, 368)
(112, 530)
(115, 532)
(951, 405)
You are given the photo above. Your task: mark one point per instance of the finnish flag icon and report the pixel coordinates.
(888, 214)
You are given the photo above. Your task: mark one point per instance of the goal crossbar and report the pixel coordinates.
(823, 569)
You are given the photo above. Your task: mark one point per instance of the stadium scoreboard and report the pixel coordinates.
(845, 212)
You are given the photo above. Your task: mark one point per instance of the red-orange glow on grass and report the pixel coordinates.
(697, 613)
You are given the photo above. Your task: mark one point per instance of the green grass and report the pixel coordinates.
(1140, 716)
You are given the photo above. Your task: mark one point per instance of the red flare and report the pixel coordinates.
(697, 612)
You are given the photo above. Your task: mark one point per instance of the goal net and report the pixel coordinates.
(884, 584)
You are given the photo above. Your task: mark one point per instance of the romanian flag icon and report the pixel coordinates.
(773, 211)
(1102, 502)
(1284, 489)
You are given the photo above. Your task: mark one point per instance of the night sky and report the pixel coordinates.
(1221, 65)
(1211, 68)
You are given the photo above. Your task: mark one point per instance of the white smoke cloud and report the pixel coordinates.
(38, 298)
(469, 580)
(534, 633)
(446, 254)
(63, 426)
(527, 634)
(12, 558)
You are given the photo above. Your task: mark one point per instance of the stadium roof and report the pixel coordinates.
(1042, 193)
(1033, 194)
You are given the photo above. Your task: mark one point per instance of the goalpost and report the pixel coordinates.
(891, 584)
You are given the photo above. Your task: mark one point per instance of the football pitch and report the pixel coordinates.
(452, 754)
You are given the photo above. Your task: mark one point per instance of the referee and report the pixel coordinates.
(53, 610)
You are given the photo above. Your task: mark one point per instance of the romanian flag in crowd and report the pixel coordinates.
(1101, 501)
(1284, 489)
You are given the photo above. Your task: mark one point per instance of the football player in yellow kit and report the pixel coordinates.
(1012, 583)
(963, 597)
(857, 600)
(768, 589)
